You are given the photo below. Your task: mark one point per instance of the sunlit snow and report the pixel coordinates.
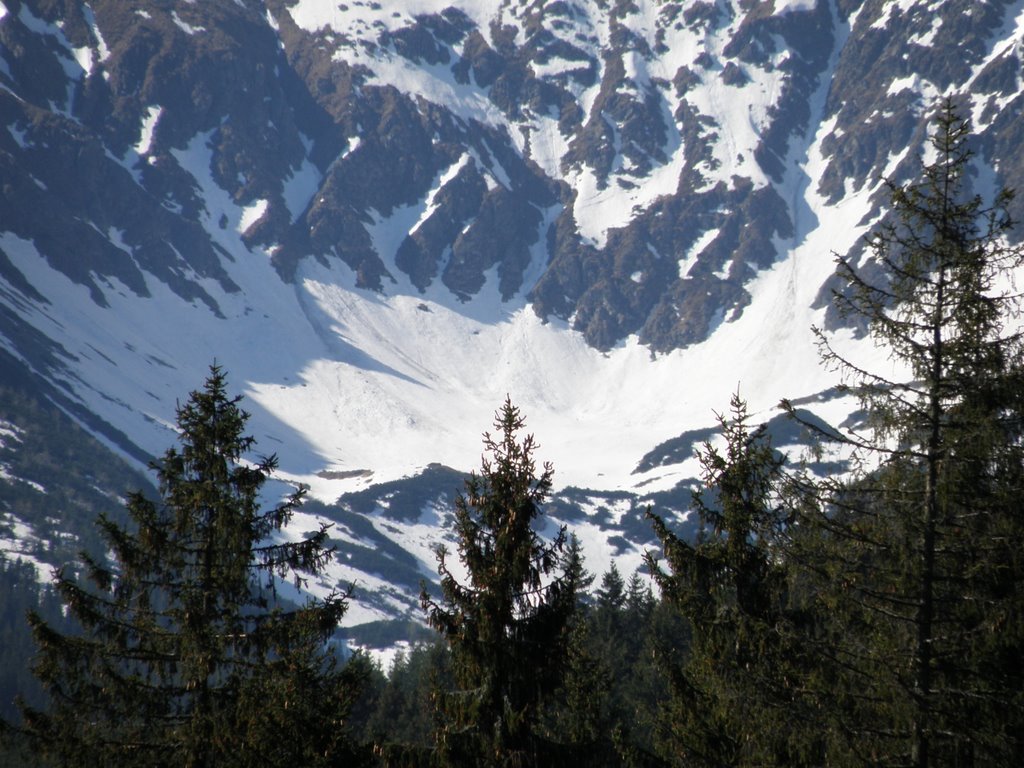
(184, 26)
(251, 214)
(18, 544)
(149, 121)
(740, 112)
(789, 6)
(316, 15)
(351, 387)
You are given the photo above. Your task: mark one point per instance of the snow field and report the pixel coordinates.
(340, 379)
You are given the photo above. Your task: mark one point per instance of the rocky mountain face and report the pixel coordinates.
(625, 171)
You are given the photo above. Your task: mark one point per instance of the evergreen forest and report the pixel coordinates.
(873, 617)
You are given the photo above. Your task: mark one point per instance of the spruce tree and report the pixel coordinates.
(919, 553)
(186, 656)
(611, 595)
(735, 694)
(508, 623)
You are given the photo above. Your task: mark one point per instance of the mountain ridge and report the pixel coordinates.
(382, 220)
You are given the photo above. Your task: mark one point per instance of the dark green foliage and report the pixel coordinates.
(875, 619)
(577, 713)
(734, 691)
(601, 714)
(56, 479)
(581, 713)
(918, 558)
(404, 711)
(300, 710)
(38, 444)
(606, 706)
(508, 625)
(187, 657)
(387, 633)
(20, 592)
(610, 597)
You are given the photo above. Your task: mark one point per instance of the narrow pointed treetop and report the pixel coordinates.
(508, 623)
(187, 656)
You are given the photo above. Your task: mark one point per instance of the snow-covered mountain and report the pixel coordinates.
(382, 216)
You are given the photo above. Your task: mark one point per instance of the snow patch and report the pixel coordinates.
(187, 28)
(317, 15)
(927, 38)
(450, 173)
(148, 130)
(556, 66)
(889, 10)
(39, 26)
(84, 58)
(67, 55)
(690, 258)
(116, 236)
(435, 83)
(19, 135)
(598, 210)
(353, 145)
(17, 547)
(300, 188)
(251, 214)
(782, 7)
(101, 44)
(546, 145)
(9, 433)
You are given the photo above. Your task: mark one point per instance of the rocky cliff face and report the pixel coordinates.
(625, 171)
(649, 152)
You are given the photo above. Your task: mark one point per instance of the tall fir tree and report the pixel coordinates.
(186, 656)
(508, 624)
(735, 693)
(919, 554)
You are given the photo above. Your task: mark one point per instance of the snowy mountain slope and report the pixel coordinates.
(382, 218)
